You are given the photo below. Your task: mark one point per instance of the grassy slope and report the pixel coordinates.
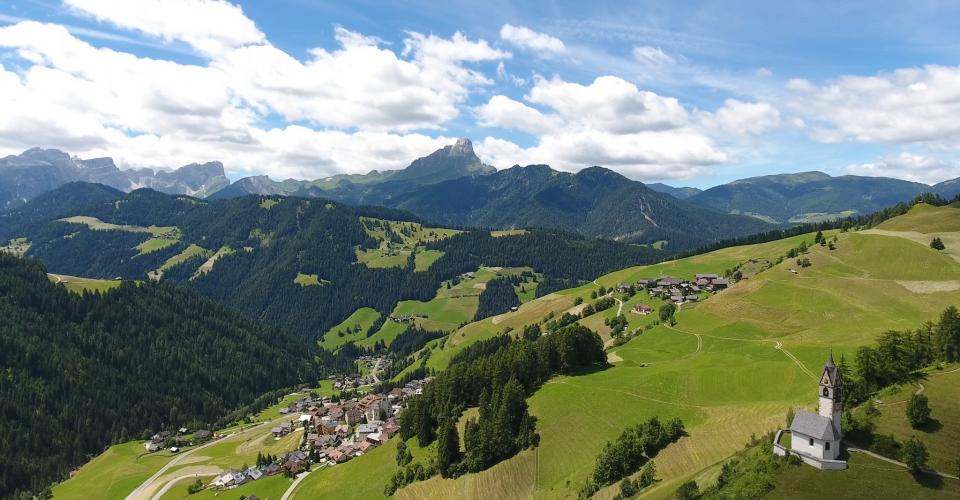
(737, 382)
(123, 467)
(867, 479)
(363, 318)
(393, 254)
(942, 436)
(113, 474)
(78, 285)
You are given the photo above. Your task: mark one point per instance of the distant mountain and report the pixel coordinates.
(680, 193)
(594, 202)
(452, 186)
(449, 162)
(36, 171)
(808, 196)
(948, 189)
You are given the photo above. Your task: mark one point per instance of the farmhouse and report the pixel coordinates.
(642, 309)
(815, 437)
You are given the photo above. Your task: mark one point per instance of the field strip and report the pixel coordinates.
(632, 394)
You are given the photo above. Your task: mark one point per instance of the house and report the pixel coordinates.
(815, 437)
(174, 449)
(254, 474)
(691, 298)
(294, 466)
(202, 435)
(353, 416)
(706, 276)
(643, 309)
(305, 418)
(666, 281)
(719, 284)
(365, 446)
(270, 469)
(153, 447)
(160, 436)
(677, 298)
(182, 430)
(282, 430)
(363, 430)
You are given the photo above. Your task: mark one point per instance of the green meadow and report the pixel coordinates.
(360, 321)
(113, 474)
(79, 285)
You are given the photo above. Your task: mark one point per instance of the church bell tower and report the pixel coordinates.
(831, 392)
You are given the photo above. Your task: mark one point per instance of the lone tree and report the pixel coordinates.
(918, 410)
(915, 454)
(666, 312)
(937, 244)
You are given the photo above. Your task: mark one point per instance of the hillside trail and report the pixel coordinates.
(854, 449)
(777, 345)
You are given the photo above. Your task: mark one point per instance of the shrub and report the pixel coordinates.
(918, 410)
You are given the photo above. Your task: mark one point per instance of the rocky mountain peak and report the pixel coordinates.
(463, 147)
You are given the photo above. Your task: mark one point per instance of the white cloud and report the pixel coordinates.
(501, 111)
(908, 105)
(742, 118)
(652, 56)
(918, 168)
(358, 106)
(609, 104)
(503, 74)
(209, 26)
(609, 122)
(526, 38)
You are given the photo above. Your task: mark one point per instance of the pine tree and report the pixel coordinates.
(448, 448)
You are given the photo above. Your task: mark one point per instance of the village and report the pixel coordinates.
(334, 431)
(675, 290)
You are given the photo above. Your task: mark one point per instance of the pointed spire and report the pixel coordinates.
(830, 363)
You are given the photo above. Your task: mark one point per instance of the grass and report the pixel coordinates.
(309, 280)
(187, 253)
(161, 236)
(363, 477)
(154, 244)
(719, 369)
(268, 203)
(942, 435)
(16, 246)
(926, 219)
(113, 474)
(867, 478)
(207, 266)
(386, 334)
(79, 285)
(362, 318)
(271, 487)
(425, 258)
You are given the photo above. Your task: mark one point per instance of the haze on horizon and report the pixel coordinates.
(694, 95)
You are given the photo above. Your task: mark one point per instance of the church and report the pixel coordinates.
(815, 437)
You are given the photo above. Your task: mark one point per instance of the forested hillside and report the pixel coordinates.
(84, 371)
(248, 252)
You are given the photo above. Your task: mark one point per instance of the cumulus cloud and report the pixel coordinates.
(909, 105)
(742, 118)
(209, 26)
(609, 122)
(353, 108)
(526, 38)
(918, 168)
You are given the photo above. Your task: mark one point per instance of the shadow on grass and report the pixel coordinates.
(928, 480)
(932, 425)
(587, 370)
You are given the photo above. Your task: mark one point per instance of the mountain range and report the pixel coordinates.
(36, 171)
(453, 186)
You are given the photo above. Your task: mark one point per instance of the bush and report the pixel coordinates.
(688, 491)
(915, 454)
(918, 410)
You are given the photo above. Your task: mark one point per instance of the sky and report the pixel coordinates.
(688, 93)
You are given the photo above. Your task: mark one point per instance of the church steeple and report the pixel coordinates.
(831, 391)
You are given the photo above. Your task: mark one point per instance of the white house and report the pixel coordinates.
(816, 437)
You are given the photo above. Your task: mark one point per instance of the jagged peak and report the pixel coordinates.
(463, 147)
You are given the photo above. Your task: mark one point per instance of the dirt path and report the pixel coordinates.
(293, 486)
(171, 484)
(619, 306)
(777, 345)
(854, 449)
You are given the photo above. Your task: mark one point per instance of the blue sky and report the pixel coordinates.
(691, 93)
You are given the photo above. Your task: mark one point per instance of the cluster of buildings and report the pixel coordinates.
(292, 463)
(682, 291)
(352, 381)
(175, 440)
(374, 363)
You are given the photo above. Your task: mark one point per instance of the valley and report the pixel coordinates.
(730, 368)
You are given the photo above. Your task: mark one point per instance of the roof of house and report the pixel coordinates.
(814, 425)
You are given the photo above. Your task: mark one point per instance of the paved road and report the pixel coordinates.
(293, 486)
(139, 493)
(170, 484)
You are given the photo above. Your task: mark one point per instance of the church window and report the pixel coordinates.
(826, 446)
(811, 441)
(826, 392)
